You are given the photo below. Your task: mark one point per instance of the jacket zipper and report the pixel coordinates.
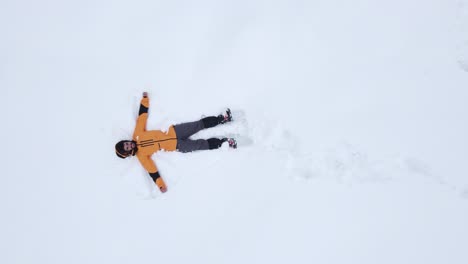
(151, 142)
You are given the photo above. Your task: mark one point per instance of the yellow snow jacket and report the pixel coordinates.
(149, 142)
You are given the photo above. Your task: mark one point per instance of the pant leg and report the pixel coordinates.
(188, 145)
(185, 130)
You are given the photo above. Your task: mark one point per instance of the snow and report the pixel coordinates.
(356, 112)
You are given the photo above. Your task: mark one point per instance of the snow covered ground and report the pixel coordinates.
(357, 111)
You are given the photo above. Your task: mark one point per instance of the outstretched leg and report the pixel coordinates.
(188, 145)
(213, 121)
(185, 130)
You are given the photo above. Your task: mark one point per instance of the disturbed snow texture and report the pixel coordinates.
(356, 112)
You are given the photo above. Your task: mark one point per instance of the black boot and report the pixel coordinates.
(213, 121)
(226, 117)
(215, 143)
(232, 142)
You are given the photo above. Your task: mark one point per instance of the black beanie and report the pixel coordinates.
(119, 149)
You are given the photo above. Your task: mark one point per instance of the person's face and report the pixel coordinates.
(129, 146)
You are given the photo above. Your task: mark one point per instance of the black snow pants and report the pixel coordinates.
(186, 130)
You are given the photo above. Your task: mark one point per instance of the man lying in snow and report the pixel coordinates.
(145, 142)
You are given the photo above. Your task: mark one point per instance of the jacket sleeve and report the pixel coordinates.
(142, 116)
(149, 166)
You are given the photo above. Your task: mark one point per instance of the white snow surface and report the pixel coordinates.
(357, 112)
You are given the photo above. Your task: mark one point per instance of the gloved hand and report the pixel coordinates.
(162, 186)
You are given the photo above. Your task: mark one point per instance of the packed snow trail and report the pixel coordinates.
(343, 163)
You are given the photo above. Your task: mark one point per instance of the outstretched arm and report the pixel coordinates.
(144, 105)
(159, 181)
(149, 166)
(142, 115)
